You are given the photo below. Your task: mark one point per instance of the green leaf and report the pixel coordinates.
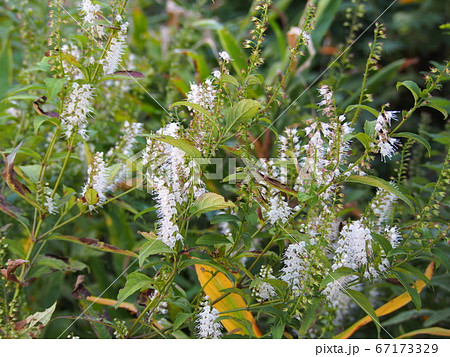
(336, 275)
(326, 11)
(54, 86)
(151, 247)
(135, 281)
(195, 106)
(254, 79)
(234, 49)
(242, 111)
(405, 267)
(369, 127)
(144, 211)
(362, 138)
(364, 304)
(380, 183)
(182, 144)
(41, 119)
(277, 331)
(224, 218)
(91, 196)
(437, 107)
(212, 239)
(180, 320)
(406, 281)
(416, 137)
(383, 242)
(412, 87)
(372, 111)
(227, 78)
(309, 316)
(208, 202)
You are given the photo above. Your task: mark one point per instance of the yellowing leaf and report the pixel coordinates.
(112, 302)
(437, 331)
(390, 306)
(213, 282)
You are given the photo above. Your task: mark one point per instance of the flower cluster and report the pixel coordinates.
(207, 327)
(173, 178)
(76, 109)
(124, 147)
(264, 291)
(296, 262)
(98, 175)
(386, 144)
(115, 51)
(89, 12)
(203, 94)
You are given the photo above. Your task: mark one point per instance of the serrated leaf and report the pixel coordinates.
(54, 86)
(210, 201)
(242, 111)
(227, 78)
(135, 281)
(380, 183)
(151, 247)
(417, 138)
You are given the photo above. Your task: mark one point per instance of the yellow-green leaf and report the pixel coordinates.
(213, 283)
(436, 331)
(210, 201)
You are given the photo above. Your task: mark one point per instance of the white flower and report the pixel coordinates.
(225, 56)
(49, 203)
(98, 175)
(202, 94)
(353, 246)
(125, 148)
(386, 144)
(264, 291)
(76, 109)
(116, 50)
(89, 10)
(206, 325)
(216, 74)
(334, 292)
(279, 210)
(393, 236)
(381, 206)
(168, 231)
(296, 263)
